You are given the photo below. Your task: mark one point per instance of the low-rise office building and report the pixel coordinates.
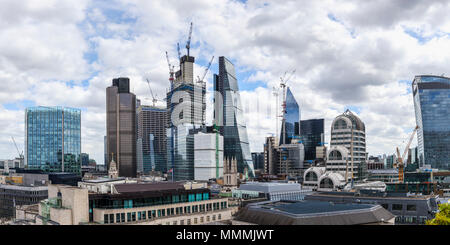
(309, 212)
(273, 191)
(13, 195)
(139, 203)
(407, 209)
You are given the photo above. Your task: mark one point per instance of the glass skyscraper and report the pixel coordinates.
(230, 118)
(292, 118)
(50, 134)
(186, 114)
(152, 132)
(432, 107)
(311, 133)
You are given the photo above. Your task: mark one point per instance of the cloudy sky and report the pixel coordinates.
(360, 55)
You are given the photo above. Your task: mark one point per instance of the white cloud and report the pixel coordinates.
(354, 60)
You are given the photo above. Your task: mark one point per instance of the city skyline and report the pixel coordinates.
(344, 59)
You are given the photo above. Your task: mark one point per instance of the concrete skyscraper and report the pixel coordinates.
(229, 117)
(50, 134)
(121, 126)
(347, 154)
(432, 107)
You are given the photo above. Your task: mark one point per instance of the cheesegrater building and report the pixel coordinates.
(230, 118)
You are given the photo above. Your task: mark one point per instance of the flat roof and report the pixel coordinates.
(146, 187)
(24, 188)
(316, 207)
(103, 180)
(312, 212)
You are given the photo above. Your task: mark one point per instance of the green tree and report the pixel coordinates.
(442, 217)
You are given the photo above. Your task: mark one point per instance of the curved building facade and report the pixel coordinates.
(231, 116)
(343, 150)
(292, 117)
(432, 107)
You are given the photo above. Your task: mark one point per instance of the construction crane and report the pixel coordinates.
(206, 71)
(400, 164)
(188, 44)
(154, 100)
(21, 158)
(283, 83)
(171, 72)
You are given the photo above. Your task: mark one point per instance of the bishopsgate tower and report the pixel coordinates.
(186, 113)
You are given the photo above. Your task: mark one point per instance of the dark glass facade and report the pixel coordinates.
(152, 131)
(50, 133)
(233, 126)
(258, 160)
(311, 133)
(292, 118)
(121, 127)
(432, 108)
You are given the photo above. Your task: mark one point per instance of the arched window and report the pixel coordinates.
(311, 176)
(340, 124)
(326, 183)
(335, 155)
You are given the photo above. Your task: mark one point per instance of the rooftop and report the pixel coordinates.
(309, 212)
(148, 187)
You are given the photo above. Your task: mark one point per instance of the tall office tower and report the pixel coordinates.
(271, 156)
(105, 150)
(50, 134)
(432, 107)
(292, 117)
(229, 117)
(291, 159)
(343, 150)
(258, 160)
(84, 159)
(151, 131)
(311, 134)
(186, 113)
(121, 126)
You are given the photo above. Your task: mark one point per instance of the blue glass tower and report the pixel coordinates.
(432, 108)
(186, 113)
(292, 118)
(50, 134)
(230, 118)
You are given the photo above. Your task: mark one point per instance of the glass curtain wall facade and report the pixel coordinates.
(186, 113)
(432, 107)
(50, 133)
(152, 131)
(292, 118)
(231, 121)
(311, 133)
